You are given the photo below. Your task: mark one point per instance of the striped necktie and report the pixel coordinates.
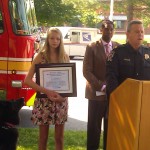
(107, 49)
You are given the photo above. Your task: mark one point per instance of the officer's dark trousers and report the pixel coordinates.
(96, 111)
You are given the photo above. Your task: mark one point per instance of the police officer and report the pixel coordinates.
(130, 60)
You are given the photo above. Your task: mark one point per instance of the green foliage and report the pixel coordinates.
(86, 11)
(73, 140)
(53, 13)
(71, 13)
(141, 9)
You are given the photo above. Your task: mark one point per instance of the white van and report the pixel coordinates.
(77, 38)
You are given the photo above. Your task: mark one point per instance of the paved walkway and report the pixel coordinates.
(77, 115)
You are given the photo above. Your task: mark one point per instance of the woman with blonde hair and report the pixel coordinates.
(52, 110)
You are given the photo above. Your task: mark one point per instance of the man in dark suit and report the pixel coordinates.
(94, 69)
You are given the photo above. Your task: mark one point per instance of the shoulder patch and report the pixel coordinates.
(111, 55)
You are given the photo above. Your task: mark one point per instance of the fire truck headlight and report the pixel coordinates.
(16, 83)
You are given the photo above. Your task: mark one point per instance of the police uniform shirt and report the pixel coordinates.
(124, 62)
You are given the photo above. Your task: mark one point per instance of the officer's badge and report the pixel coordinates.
(110, 56)
(146, 56)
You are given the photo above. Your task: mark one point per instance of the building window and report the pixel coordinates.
(120, 24)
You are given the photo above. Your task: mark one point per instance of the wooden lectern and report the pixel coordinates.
(129, 116)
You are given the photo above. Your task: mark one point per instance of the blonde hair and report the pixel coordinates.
(62, 56)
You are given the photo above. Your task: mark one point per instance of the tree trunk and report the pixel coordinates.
(130, 9)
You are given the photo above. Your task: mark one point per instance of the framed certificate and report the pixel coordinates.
(60, 77)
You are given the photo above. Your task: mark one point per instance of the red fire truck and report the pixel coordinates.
(18, 39)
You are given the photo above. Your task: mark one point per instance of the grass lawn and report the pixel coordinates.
(74, 140)
(121, 38)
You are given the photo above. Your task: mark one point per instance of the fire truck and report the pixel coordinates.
(18, 42)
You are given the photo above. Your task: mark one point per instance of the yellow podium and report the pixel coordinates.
(129, 116)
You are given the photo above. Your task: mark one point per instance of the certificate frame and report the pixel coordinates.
(60, 77)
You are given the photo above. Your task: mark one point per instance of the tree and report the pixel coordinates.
(135, 9)
(130, 10)
(53, 12)
(139, 9)
(86, 11)
(143, 11)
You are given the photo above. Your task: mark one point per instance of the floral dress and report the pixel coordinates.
(47, 112)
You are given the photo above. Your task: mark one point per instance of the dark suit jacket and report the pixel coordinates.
(94, 69)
